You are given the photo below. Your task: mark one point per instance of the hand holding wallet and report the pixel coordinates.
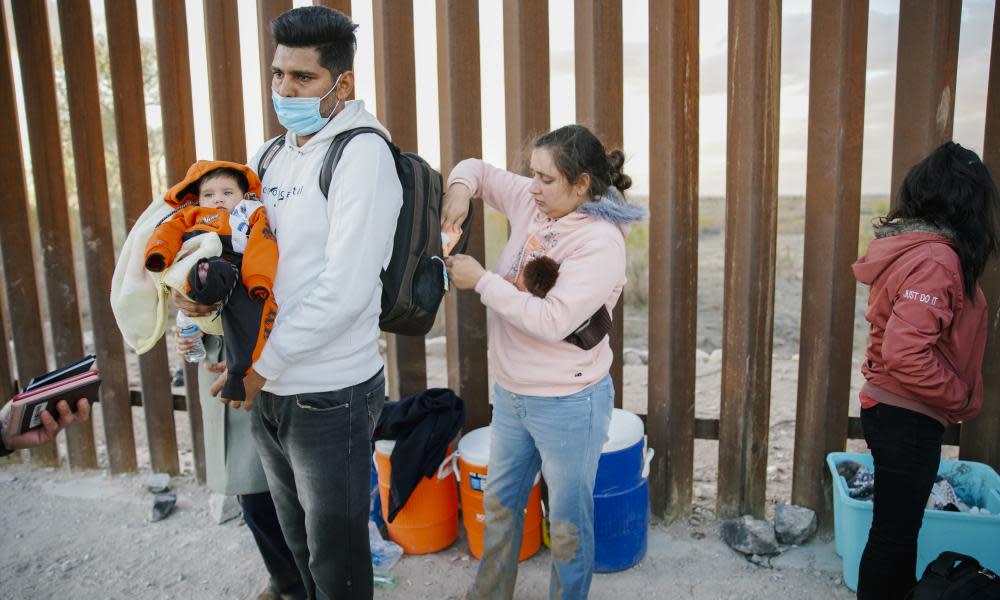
(70, 383)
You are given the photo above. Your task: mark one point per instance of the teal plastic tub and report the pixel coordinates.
(973, 534)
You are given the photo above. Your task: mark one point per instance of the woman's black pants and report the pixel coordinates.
(906, 448)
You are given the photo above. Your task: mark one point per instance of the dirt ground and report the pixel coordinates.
(107, 548)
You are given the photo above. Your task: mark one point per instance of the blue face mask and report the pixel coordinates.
(301, 116)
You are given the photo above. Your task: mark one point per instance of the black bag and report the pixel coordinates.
(415, 281)
(967, 580)
(593, 330)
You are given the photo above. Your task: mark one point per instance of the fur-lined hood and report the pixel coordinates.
(613, 208)
(901, 226)
(901, 238)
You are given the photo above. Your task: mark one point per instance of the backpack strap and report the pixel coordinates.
(336, 149)
(273, 147)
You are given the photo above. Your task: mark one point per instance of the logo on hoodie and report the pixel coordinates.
(921, 297)
(280, 195)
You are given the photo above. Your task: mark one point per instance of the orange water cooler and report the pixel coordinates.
(473, 461)
(429, 520)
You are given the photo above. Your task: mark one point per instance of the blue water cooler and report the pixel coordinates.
(375, 506)
(621, 496)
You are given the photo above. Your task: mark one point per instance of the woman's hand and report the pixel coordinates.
(455, 207)
(464, 272)
(190, 307)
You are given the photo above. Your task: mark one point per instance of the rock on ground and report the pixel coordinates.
(749, 535)
(793, 524)
(634, 356)
(157, 482)
(163, 505)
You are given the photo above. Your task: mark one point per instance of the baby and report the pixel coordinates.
(221, 197)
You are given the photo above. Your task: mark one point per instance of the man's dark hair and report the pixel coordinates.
(329, 31)
(236, 174)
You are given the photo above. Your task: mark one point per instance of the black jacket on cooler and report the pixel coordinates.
(423, 426)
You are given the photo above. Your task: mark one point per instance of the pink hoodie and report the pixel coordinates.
(927, 338)
(526, 333)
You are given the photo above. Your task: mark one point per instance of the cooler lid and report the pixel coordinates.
(474, 447)
(385, 447)
(625, 431)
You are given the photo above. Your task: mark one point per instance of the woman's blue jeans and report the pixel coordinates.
(563, 435)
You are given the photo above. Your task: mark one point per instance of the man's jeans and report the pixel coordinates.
(262, 521)
(906, 447)
(316, 452)
(563, 435)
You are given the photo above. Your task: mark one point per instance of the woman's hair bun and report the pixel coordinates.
(616, 160)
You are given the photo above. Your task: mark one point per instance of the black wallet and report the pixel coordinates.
(592, 331)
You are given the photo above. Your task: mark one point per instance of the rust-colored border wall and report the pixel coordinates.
(751, 234)
(981, 436)
(95, 228)
(599, 105)
(833, 204)
(34, 48)
(926, 68)
(177, 114)
(137, 192)
(461, 137)
(19, 267)
(673, 251)
(267, 11)
(526, 77)
(396, 94)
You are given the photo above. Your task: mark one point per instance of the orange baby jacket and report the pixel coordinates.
(260, 257)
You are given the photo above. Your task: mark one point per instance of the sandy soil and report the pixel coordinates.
(106, 548)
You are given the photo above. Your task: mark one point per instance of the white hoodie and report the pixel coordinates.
(331, 252)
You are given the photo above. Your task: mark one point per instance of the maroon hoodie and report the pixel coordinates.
(926, 337)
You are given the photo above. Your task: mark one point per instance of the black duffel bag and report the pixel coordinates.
(954, 576)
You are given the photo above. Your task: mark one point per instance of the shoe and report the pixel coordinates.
(271, 593)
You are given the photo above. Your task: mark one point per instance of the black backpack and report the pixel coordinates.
(967, 580)
(415, 280)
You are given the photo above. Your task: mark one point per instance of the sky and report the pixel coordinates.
(970, 101)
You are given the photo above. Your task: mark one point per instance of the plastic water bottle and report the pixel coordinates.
(385, 554)
(384, 580)
(189, 329)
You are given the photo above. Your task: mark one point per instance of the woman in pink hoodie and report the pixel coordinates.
(928, 322)
(559, 276)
